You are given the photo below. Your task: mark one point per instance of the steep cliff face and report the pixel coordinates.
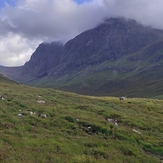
(46, 57)
(106, 60)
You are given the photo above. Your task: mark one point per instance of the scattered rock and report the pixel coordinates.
(138, 132)
(20, 115)
(41, 102)
(122, 98)
(114, 121)
(1, 97)
(43, 115)
(110, 120)
(32, 113)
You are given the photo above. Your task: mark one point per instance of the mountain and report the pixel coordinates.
(118, 57)
(46, 57)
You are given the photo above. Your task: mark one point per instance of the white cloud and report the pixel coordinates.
(145, 11)
(15, 50)
(33, 21)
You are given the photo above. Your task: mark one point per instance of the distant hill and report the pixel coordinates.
(5, 79)
(118, 57)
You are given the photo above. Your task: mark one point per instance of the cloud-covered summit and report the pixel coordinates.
(30, 22)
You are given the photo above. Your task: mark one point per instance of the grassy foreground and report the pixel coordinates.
(76, 128)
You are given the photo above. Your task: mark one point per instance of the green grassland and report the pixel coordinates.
(76, 129)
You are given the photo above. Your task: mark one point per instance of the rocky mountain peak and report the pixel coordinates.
(46, 56)
(108, 41)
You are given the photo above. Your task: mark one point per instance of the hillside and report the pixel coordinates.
(77, 128)
(5, 79)
(118, 57)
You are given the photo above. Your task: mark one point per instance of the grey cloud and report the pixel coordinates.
(63, 19)
(60, 19)
(147, 12)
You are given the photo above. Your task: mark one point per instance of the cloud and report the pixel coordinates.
(15, 50)
(31, 22)
(43, 20)
(147, 12)
(51, 19)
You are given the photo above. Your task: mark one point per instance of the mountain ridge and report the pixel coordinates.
(102, 58)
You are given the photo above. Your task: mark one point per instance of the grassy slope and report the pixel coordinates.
(5, 79)
(64, 135)
(146, 84)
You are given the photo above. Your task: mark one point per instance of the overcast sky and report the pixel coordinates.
(24, 24)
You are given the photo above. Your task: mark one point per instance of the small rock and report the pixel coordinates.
(1, 97)
(41, 102)
(138, 132)
(31, 113)
(116, 123)
(110, 120)
(122, 98)
(43, 115)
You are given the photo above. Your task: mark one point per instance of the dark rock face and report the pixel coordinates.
(112, 39)
(46, 57)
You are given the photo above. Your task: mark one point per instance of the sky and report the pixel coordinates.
(24, 24)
